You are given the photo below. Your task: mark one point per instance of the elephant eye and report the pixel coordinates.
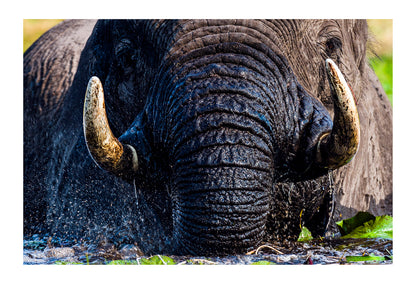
(333, 45)
(124, 53)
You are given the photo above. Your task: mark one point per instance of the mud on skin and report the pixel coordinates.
(228, 131)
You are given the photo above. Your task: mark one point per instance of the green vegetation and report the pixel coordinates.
(381, 36)
(34, 28)
(122, 262)
(59, 262)
(383, 67)
(365, 225)
(348, 225)
(263, 262)
(367, 258)
(305, 235)
(157, 260)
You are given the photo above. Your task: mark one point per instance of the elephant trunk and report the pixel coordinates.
(221, 154)
(222, 180)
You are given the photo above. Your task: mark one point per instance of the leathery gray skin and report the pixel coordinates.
(215, 146)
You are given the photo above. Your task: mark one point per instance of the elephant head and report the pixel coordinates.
(222, 115)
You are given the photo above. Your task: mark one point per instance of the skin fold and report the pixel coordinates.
(214, 132)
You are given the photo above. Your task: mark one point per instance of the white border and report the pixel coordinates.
(206, 279)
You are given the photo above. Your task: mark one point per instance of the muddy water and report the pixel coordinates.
(45, 250)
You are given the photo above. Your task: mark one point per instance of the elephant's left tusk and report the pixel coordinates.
(337, 148)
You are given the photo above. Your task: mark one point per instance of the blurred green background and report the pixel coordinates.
(34, 28)
(380, 53)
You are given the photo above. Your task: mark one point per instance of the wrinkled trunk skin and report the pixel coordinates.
(221, 204)
(221, 156)
(223, 175)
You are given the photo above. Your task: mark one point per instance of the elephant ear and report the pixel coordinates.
(99, 46)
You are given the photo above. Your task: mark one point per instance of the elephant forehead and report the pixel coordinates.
(194, 34)
(301, 42)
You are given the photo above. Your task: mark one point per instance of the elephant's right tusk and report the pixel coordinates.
(337, 148)
(104, 147)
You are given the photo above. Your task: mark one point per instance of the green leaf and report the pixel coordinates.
(157, 260)
(263, 262)
(60, 262)
(305, 235)
(380, 227)
(366, 258)
(348, 225)
(122, 262)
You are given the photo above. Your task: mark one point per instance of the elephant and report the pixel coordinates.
(202, 137)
